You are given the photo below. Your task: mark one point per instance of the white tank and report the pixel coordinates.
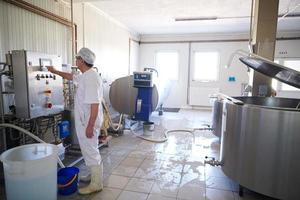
(30, 172)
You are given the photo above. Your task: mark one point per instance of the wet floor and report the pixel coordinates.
(135, 169)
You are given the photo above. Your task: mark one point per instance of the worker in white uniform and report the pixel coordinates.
(88, 115)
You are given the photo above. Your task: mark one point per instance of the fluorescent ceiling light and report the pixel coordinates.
(195, 18)
(280, 16)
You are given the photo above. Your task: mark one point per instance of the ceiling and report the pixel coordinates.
(158, 16)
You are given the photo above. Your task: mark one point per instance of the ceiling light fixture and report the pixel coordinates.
(280, 16)
(195, 18)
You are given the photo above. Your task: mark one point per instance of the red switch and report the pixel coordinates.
(49, 105)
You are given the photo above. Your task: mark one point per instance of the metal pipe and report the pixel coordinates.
(72, 28)
(129, 55)
(250, 31)
(287, 14)
(2, 114)
(189, 75)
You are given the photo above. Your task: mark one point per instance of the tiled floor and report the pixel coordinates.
(135, 169)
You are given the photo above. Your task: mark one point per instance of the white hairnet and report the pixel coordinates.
(87, 55)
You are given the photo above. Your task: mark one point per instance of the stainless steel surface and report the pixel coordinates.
(31, 97)
(260, 144)
(123, 95)
(274, 70)
(217, 118)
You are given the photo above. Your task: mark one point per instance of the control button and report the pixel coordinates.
(46, 76)
(37, 77)
(49, 105)
(50, 76)
(54, 77)
(42, 76)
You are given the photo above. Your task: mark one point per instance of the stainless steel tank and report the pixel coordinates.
(260, 144)
(122, 94)
(260, 136)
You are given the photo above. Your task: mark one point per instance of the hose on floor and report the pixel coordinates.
(166, 134)
(31, 135)
(117, 127)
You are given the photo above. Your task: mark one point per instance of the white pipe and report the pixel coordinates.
(288, 12)
(244, 53)
(31, 135)
(250, 30)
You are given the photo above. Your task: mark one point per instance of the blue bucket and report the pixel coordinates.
(67, 180)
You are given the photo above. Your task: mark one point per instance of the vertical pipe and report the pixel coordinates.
(189, 74)
(2, 115)
(250, 30)
(83, 26)
(129, 52)
(72, 27)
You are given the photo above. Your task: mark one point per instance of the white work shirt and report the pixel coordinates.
(89, 91)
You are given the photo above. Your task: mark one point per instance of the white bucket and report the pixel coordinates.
(30, 172)
(148, 128)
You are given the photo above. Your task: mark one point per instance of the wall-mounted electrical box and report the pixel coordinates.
(38, 92)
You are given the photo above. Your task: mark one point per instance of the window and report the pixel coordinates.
(167, 64)
(293, 64)
(206, 66)
(290, 63)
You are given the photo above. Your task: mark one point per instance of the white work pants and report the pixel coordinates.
(88, 146)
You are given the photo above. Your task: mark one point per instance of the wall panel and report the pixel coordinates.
(21, 29)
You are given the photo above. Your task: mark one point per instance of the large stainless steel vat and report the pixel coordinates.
(260, 144)
(122, 94)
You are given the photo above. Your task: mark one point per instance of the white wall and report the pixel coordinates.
(21, 29)
(106, 37)
(236, 69)
(134, 56)
(179, 92)
(197, 90)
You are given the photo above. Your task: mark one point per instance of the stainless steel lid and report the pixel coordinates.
(274, 70)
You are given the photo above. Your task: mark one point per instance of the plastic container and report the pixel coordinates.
(148, 128)
(67, 180)
(30, 172)
(61, 151)
(64, 129)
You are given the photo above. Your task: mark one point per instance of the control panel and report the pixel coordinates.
(38, 92)
(142, 79)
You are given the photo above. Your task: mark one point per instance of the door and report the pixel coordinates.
(171, 61)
